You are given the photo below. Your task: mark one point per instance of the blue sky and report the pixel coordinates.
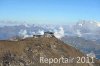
(49, 11)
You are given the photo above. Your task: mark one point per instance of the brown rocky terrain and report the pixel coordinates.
(27, 52)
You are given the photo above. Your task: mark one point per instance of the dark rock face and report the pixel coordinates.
(27, 52)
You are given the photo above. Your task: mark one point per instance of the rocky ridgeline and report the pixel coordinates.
(27, 52)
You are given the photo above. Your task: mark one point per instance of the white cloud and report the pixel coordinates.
(98, 24)
(59, 33)
(80, 25)
(78, 33)
(41, 32)
(23, 34)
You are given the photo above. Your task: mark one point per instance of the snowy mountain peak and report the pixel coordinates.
(26, 25)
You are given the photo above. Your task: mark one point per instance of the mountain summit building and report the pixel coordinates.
(46, 34)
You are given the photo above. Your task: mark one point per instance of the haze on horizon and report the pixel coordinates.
(49, 11)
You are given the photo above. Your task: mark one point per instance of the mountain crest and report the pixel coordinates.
(27, 52)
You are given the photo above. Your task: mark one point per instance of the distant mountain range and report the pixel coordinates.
(87, 29)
